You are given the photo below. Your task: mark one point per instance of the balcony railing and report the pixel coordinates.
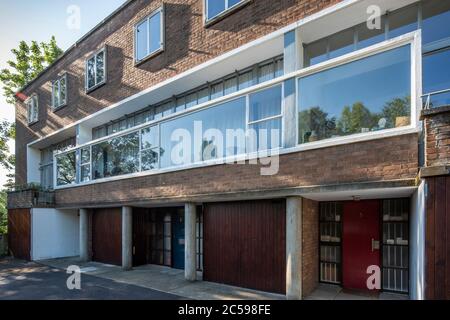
(428, 102)
(31, 198)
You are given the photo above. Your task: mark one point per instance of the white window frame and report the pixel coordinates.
(105, 64)
(32, 104)
(56, 85)
(161, 48)
(224, 13)
(414, 39)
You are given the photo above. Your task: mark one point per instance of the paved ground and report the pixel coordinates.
(30, 281)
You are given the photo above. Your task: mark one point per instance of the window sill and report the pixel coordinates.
(56, 109)
(30, 124)
(137, 63)
(101, 84)
(209, 22)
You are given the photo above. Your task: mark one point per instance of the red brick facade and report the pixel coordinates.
(437, 144)
(310, 246)
(188, 43)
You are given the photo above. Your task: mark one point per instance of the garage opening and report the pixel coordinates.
(245, 244)
(107, 236)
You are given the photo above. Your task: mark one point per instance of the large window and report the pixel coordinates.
(149, 35)
(214, 8)
(32, 109)
(366, 95)
(436, 78)
(207, 129)
(96, 70)
(115, 157)
(59, 92)
(46, 164)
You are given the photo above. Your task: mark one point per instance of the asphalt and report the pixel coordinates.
(20, 280)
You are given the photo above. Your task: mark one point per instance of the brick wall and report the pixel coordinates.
(188, 43)
(377, 160)
(310, 246)
(437, 145)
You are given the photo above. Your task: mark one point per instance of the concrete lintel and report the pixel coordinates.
(434, 171)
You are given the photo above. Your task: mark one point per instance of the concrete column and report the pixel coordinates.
(294, 248)
(84, 235)
(190, 268)
(127, 238)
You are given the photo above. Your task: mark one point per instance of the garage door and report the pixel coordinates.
(19, 233)
(245, 244)
(107, 236)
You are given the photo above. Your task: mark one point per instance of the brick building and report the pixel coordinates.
(266, 144)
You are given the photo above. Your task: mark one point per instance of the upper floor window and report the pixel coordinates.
(32, 109)
(149, 35)
(215, 8)
(96, 70)
(59, 92)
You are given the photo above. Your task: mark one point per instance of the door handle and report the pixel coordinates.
(375, 245)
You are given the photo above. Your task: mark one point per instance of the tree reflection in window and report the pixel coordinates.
(116, 157)
(66, 169)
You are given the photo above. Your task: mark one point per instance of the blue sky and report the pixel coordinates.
(39, 20)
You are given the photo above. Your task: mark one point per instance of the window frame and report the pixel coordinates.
(105, 63)
(228, 10)
(414, 40)
(161, 48)
(34, 99)
(58, 81)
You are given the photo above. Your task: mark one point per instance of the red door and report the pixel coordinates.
(361, 230)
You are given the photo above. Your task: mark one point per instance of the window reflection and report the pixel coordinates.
(66, 169)
(367, 95)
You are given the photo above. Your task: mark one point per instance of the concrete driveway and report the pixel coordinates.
(21, 280)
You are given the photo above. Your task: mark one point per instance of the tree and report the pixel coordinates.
(397, 107)
(354, 119)
(3, 214)
(30, 60)
(315, 123)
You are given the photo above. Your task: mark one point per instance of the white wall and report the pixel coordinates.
(417, 244)
(54, 234)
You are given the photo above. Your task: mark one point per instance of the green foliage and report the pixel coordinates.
(30, 60)
(354, 118)
(3, 213)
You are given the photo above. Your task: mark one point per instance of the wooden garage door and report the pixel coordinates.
(19, 233)
(107, 236)
(245, 244)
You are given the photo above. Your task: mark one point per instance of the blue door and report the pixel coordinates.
(178, 240)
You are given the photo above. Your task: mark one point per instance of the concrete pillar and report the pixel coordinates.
(294, 248)
(127, 238)
(190, 268)
(84, 235)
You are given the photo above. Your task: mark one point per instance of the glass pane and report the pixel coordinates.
(267, 135)
(265, 103)
(370, 94)
(191, 100)
(436, 15)
(91, 72)
(56, 94)
(203, 95)
(403, 21)
(266, 73)
(316, 52)
(66, 169)
(155, 32)
(150, 138)
(215, 7)
(62, 87)
(116, 157)
(213, 143)
(436, 71)
(230, 85)
(181, 104)
(100, 67)
(216, 90)
(279, 68)
(245, 80)
(85, 155)
(142, 40)
(342, 43)
(85, 173)
(368, 37)
(149, 159)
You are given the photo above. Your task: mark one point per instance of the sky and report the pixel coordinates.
(40, 19)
